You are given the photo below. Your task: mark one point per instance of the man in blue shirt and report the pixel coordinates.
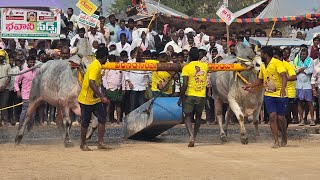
(123, 29)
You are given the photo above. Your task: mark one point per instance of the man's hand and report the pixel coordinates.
(131, 85)
(19, 94)
(247, 87)
(105, 100)
(283, 93)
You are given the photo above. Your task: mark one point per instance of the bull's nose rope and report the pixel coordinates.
(15, 105)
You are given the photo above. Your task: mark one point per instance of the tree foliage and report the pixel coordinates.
(119, 6)
(195, 8)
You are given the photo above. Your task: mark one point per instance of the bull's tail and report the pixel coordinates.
(22, 72)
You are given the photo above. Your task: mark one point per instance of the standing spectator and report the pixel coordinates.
(91, 99)
(193, 93)
(161, 40)
(70, 30)
(113, 28)
(13, 112)
(213, 44)
(202, 38)
(174, 43)
(142, 41)
(93, 35)
(314, 49)
(24, 92)
(112, 81)
(182, 38)
(137, 82)
(123, 45)
(304, 68)
(247, 35)
(279, 34)
(124, 30)
(135, 32)
(300, 35)
(4, 87)
(71, 17)
(315, 81)
(161, 86)
(74, 41)
(274, 77)
(23, 45)
(131, 27)
(104, 30)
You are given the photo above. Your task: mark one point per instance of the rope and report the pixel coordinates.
(11, 106)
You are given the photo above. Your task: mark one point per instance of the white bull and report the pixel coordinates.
(227, 87)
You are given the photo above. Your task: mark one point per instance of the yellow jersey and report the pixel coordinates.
(86, 95)
(271, 75)
(291, 85)
(161, 76)
(197, 73)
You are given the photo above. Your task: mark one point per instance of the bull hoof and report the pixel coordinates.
(18, 139)
(223, 138)
(244, 138)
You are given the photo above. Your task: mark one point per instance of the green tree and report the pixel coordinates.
(199, 8)
(119, 6)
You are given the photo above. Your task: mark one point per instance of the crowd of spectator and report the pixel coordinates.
(130, 41)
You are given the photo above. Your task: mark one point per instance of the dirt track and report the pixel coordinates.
(167, 159)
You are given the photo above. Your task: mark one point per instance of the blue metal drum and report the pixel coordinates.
(153, 118)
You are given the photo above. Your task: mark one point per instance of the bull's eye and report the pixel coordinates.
(257, 65)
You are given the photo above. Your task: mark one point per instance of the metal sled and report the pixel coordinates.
(152, 118)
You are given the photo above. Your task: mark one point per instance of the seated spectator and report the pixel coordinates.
(202, 38)
(161, 40)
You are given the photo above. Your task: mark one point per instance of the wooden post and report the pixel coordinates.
(228, 38)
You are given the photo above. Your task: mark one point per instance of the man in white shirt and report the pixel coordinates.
(212, 43)
(137, 82)
(202, 39)
(173, 43)
(95, 35)
(123, 45)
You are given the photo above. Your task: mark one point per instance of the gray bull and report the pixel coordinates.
(56, 85)
(227, 89)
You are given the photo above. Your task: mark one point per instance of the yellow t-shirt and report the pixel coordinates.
(197, 73)
(162, 76)
(271, 75)
(291, 85)
(87, 96)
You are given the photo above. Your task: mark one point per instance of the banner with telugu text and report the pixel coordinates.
(30, 24)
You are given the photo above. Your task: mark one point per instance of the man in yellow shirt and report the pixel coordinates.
(193, 92)
(160, 86)
(274, 77)
(291, 87)
(91, 99)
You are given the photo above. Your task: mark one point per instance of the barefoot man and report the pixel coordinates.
(274, 77)
(193, 92)
(90, 99)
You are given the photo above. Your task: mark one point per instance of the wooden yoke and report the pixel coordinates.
(168, 66)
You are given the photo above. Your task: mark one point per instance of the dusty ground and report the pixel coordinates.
(168, 158)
